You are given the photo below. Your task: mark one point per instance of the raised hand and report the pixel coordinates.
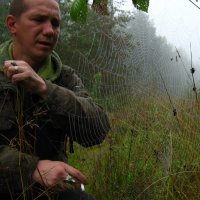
(21, 73)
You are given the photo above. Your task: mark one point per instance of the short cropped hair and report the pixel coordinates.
(17, 7)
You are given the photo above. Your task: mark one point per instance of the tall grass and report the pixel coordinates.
(148, 154)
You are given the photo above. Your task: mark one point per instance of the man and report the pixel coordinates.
(42, 103)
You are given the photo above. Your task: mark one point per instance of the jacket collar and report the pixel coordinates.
(50, 70)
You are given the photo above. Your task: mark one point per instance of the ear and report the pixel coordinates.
(11, 24)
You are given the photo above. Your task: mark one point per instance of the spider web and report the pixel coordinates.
(130, 58)
(125, 64)
(122, 63)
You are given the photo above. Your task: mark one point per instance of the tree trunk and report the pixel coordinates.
(100, 6)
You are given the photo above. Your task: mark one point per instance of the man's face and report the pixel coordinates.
(37, 29)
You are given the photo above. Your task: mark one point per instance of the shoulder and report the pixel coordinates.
(68, 76)
(60, 68)
(67, 69)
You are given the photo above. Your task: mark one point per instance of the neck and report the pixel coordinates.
(35, 63)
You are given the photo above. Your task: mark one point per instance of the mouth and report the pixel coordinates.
(45, 44)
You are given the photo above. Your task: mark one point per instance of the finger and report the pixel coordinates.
(76, 174)
(62, 186)
(14, 69)
(65, 186)
(17, 66)
(6, 66)
(70, 181)
(13, 62)
(9, 72)
(9, 63)
(10, 68)
(16, 78)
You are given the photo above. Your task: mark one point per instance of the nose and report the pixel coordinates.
(48, 29)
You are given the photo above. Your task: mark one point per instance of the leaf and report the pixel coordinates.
(79, 10)
(141, 4)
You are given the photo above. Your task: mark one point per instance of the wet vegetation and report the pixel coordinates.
(149, 90)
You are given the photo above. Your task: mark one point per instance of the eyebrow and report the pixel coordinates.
(46, 16)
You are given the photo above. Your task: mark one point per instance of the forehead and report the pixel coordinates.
(43, 7)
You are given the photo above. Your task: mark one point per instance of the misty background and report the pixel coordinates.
(127, 51)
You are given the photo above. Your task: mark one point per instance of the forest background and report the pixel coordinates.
(150, 92)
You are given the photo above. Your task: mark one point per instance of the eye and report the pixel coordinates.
(55, 23)
(38, 19)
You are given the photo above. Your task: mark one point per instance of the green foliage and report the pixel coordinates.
(147, 155)
(4, 11)
(79, 10)
(141, 5)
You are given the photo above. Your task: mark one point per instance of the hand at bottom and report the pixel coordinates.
(53, 173)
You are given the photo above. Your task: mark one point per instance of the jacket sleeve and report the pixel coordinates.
(16, 170)
(74, 110)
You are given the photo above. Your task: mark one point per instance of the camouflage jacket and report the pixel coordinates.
(32, 128)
